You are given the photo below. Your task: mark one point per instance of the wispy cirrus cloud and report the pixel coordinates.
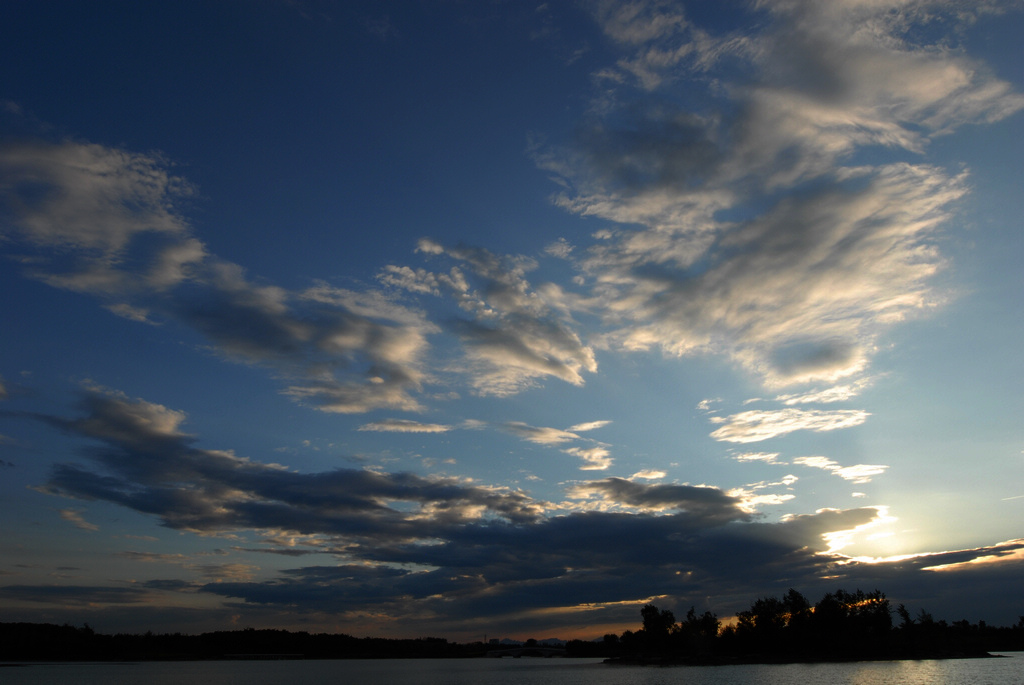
(588, 426)
(858, 473)
(75, 518)
(597, 457)
(837, 393)
(404, 426)
(765, 457)
(758, 425)
(539, 435)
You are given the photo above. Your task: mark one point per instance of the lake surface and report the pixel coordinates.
(515, 672)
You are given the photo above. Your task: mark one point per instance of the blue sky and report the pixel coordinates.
(453, 318)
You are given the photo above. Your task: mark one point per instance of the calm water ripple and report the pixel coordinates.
(516, 672)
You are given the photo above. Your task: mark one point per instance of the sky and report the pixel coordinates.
(506, 318)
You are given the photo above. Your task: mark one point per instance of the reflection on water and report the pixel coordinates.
(515, 672)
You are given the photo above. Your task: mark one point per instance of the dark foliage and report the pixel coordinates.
(841, 626)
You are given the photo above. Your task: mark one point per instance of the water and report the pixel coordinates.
(515, 672)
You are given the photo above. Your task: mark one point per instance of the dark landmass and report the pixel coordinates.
(49, 642)
(842, 626)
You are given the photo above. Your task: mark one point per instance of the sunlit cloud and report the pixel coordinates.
(538, 435)
(752, 497)
(858, 473)
(594, 458)
(404, 426)
(589, 426)
(757, 425)
(799, 293)
(513, 335)
(649, 474)
(838, 393)
(1009, 552)
(765, 457)
(842, 538)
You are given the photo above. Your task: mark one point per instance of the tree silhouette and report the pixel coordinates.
(657, 626)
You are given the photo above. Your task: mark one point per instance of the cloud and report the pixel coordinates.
(107, 222)
(560, 248)
(837, 393)
(88, 197)
(766, 457)
(758, 425)
(796, 295)
(404, 426)
(560, 567)
(588, 426)
(858, 473)
(826, 89)
(148, 464)
(74, 517)
(444, 553)
(594, 458)
(747, 228)
(740, 231)
(514, 335)
(709, 503)
(1009, 551)
(225, 573)
(751, 498)
(648, 474)
(538, 435)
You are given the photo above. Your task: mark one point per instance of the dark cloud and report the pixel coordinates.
(281, 551)
(153, 467)
(711, 504)
(418, 549)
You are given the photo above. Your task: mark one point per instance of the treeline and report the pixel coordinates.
(841, 626)
(49, 642)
